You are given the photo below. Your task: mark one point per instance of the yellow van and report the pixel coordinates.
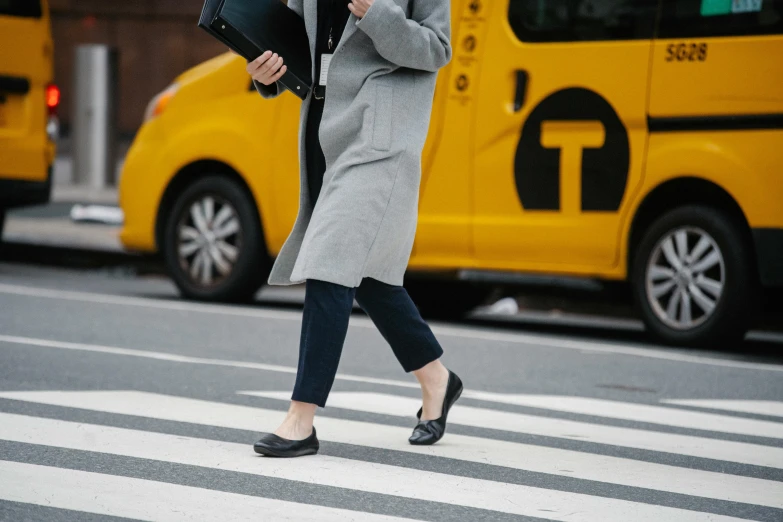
(28, 104)
(637, 141)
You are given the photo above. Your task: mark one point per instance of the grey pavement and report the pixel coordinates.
(558, 423)
(50, 225)
(62, 233)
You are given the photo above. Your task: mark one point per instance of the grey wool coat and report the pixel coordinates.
(375, 121)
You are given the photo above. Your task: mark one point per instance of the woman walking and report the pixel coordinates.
(361, 135)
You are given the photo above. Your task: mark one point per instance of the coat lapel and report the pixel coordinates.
(350, 28)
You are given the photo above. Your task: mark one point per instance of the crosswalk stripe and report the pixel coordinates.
(770, 408)
(142, 499)
(551, 461)
(638, 413)
(702, 447)
(349, 474)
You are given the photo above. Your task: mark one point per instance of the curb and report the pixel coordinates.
(77, 257)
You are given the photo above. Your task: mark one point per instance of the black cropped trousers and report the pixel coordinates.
(327, 310)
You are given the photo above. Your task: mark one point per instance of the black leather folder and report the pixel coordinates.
(251, 27)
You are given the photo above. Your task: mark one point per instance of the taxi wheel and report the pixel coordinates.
(445, 299)
(213, 242)
(693, 278)
(2, 222)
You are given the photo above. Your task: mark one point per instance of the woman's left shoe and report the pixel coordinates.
(429, 432)
(272, 445)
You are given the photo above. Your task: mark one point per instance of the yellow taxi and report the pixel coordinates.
(621, 140)
(28, 104)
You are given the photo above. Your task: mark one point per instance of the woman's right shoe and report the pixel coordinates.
(429, 432)
(272, 445)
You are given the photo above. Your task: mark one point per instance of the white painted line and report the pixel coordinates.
(354, 475)
(141, 499)
(532, 340)
(702, 447)
(529, 457)
(144, 302)
(769, 408)
(186, 359)
(599, 347)
(639, 413)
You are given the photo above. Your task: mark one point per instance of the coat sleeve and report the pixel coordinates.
(421, 42)
(276, 89)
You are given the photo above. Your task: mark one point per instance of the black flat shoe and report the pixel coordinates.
(429, 432)
(273, 446)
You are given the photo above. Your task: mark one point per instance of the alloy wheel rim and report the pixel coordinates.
(209, 240)
(685, 278)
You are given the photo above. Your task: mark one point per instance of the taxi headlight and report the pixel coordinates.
(159, 103)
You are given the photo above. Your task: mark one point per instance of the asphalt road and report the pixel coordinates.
(120, 401)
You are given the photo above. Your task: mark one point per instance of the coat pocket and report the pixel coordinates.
(382, 126)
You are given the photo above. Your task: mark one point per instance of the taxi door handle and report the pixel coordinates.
(521, 90)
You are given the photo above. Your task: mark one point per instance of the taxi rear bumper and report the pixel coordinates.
(22, 193)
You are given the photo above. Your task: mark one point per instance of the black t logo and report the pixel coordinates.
(573, 133)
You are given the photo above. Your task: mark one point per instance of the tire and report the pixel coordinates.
(233, 260)
(674, 303)
(2, 223)
(445, 300)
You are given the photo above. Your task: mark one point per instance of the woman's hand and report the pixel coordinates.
(267, 68)
(360, 7)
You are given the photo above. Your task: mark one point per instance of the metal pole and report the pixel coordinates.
(94, 125)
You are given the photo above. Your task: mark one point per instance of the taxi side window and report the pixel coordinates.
(21, 8)
(582, 20)
(704, 18)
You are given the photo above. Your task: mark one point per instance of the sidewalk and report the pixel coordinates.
(50, 225)
(62, 233)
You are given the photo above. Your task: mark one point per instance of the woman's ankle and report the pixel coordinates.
(302, 409)
(294, 428)
(300, 417)
(432, 377)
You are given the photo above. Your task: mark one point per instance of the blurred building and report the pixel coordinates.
(156, 40)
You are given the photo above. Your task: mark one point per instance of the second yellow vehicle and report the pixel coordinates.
(28, 104)
(631, 141)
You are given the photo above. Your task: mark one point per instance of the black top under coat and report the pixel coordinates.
(332, 13)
